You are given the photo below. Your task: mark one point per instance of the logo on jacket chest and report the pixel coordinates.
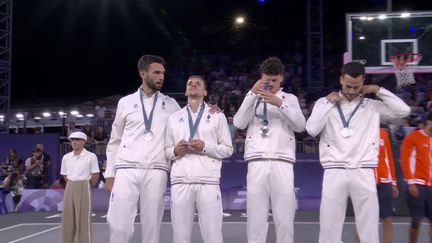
(207, 119)
(163, 105)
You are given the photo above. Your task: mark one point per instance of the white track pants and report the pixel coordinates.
(186, 199)
(270, 181)
(360, 186)
(131, 185)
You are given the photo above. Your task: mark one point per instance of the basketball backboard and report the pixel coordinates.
(372, 38)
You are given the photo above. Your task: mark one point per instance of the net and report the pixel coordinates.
(404, 65)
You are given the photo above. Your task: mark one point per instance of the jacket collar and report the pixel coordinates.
(138, 92)
(355, 100)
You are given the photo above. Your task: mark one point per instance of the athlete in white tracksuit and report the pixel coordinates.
(348, 124)
(270, 157)
(196, 142)
(135, 156)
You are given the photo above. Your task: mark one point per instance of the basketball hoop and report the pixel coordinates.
(404, 64)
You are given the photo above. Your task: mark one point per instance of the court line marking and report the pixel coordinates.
(10, 227)
(54, 216)
(35, 234)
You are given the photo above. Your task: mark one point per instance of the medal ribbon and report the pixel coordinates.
(264, 115)
(148, 119)
(194, 127)
(345, 122)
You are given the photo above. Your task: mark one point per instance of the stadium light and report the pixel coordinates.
(20, 115)
(90, 115)
(405, 15)
(46, 114)
(362, 37)
(240, 20)
(382, 16)
(74, 112)
(363, 18)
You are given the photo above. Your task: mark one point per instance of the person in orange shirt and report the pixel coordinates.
(416, 168)
(386, 186)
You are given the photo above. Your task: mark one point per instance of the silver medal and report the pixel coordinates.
(148, 135)
(264, 130)
(346, 132)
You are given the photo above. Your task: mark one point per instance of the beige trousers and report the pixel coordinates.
(76, 215)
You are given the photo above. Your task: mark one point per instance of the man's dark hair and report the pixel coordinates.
(353, 69)
(272, 66)
(145, 61)
(199, 77)
(429, 116)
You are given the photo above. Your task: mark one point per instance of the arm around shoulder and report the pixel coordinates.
(169, 142)
(223, 148)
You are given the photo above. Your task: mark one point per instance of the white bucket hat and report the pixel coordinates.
(79, 135)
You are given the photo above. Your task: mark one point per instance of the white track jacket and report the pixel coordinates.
(361, 149)
(283, 122)
(127, 147)
(198, 167)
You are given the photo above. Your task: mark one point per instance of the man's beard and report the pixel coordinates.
(151, 84)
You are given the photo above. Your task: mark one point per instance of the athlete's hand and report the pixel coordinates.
(395, 191)
(269, 97)
(333, 98)
(413, 190)
(257, 86)
(109, 182)
(181, 148)
(197, 144)
(370, 89)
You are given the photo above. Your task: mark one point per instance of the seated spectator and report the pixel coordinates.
(14, 184)
(12, 160)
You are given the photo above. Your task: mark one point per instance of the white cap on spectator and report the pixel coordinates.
(79, 135)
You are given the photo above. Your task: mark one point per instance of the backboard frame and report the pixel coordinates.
(386, 65)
